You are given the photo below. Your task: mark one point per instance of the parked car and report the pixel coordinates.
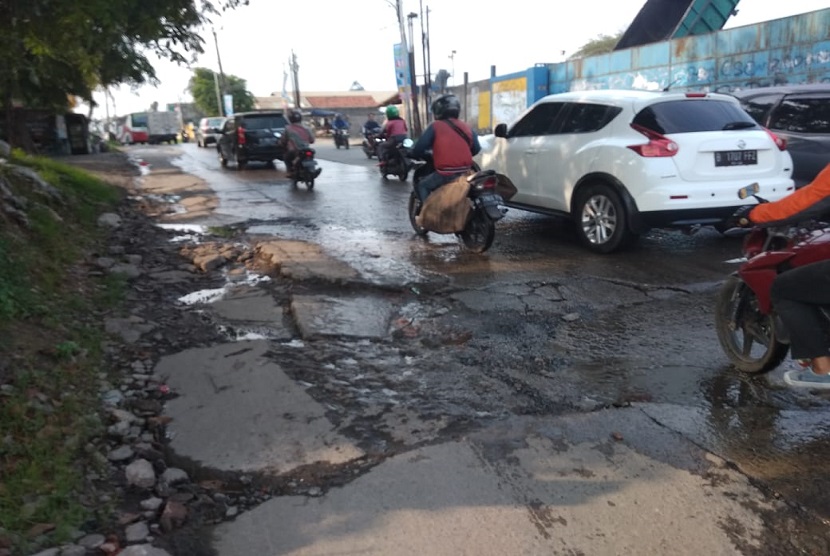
(252, 136)
(208, 130)
(801, 115)
(619, 162)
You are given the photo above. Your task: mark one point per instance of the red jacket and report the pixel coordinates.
(296, 137)
(811, 201)
(451, 153)
(395, 126)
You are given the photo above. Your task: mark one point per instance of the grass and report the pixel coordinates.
(50, 355)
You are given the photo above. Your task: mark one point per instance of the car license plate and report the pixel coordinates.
(267, 141)
(736, 158)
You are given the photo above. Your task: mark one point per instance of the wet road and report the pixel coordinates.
(358, 216)
(644, 332)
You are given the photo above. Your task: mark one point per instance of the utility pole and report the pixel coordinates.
(452, 60)
(416, 114)
(222, 88)
(405, 51)
(218, 93)
(295, 79)
(427, 76)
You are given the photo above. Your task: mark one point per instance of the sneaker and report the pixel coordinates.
(807, 379)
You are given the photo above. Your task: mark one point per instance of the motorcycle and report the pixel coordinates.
(752, 335)
(397, 161)
(305, 168)
(371, 140)
(341, 138)
(468, 207)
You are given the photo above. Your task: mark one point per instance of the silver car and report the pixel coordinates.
(209, 130)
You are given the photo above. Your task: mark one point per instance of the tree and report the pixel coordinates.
(55, 49)
(202, 87)
(602, 44)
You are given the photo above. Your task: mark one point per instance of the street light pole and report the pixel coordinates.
(452, 59)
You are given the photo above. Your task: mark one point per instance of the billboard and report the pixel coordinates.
(402, 77)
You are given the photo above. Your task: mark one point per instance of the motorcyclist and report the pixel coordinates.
(339, 122)
(371, 125)
(452, 142)
(295, 137)
(797, 293)
(394, 131)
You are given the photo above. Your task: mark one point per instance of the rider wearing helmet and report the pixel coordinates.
(339, 122)
(394, 131)
(295, 137)
(452, 142)
(797, 294)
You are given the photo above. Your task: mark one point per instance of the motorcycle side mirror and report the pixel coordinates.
(749, 191)
(501, 130)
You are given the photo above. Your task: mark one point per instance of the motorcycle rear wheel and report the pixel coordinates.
(747, 336)
(414, 209)
(479, 233)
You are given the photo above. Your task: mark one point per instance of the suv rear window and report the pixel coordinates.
(689, 116)
(803, 115)
(263, 121)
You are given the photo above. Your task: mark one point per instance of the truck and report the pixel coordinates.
(163, 127)
(148, 127)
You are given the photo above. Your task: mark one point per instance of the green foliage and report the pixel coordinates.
(55, 48)
(202, 87)
(53, 348)
(602, 44)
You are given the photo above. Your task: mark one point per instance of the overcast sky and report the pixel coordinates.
(338, 42)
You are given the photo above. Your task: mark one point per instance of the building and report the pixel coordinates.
(322, 105)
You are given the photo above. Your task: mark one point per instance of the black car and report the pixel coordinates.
(252, 136)
(801, 115)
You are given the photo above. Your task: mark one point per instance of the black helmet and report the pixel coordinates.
(447, 106)
(295, 116)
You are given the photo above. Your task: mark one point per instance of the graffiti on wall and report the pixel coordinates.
(805, 61)
(509, 99)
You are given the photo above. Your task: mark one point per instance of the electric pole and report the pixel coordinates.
(222, 88)
(416, 113)
(427, 76)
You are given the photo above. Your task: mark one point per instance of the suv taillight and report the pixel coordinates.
(657, 145)
(240, 135)
(780, 142)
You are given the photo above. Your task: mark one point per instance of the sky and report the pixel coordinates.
(338, 42)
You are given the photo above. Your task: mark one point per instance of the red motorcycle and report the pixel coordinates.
(751, 334)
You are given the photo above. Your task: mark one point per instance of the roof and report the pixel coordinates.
(334, 99)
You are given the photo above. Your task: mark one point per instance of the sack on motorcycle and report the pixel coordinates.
(447, 209)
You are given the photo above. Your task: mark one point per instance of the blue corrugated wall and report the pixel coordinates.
(788, 50)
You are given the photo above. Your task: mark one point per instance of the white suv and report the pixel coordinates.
(619, 162)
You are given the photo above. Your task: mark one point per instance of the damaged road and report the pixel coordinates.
(329, 396)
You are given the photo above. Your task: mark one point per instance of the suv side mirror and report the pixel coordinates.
(501, 130)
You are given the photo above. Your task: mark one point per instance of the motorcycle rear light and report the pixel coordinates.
(309, 153)
(657, 146)
(240, 134)
(780, 142)
(489, 183)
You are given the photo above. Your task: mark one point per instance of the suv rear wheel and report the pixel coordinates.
(600, 219)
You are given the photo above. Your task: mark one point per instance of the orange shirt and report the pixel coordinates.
(808, 202)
